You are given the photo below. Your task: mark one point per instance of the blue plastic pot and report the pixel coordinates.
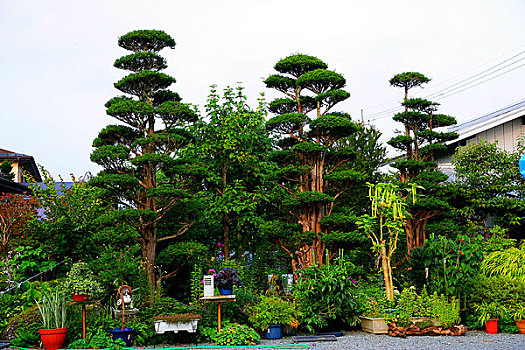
(275, 331)
(225, 291)
(125, 334)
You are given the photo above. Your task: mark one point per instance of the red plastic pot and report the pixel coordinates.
(80, 297)
(492, 326)
(521, 326)
(53, 339)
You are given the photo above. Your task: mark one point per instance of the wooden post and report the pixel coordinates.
(83, 321)
(219, 316)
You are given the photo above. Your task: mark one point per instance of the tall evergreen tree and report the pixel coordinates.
(311, 172)
(420, 141)
(142, 173)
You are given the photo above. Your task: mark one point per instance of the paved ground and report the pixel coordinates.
(476, 340)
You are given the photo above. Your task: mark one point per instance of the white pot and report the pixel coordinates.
(163, 326)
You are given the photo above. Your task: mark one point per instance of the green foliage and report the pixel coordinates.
(101, 340)
(421, 141)
(306, 152)
(53, 309)
(489, 310)
(5, 170)
(408, 80)
(505, 294)
(81, 280)
(144, 177)
(509, 263)
(273, 310)
(452, 263)
(384, 225)
(438, 307)
(229, 150)
(489, 183)
(146, 40)
(327, 292)
(234, 334)
(68, 222)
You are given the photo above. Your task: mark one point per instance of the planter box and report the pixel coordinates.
(376, 325)
(163, 326)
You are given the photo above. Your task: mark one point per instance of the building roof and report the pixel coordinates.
(26, 162)
(8, 186)
(488, 121)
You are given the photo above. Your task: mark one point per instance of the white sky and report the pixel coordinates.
(57, 58)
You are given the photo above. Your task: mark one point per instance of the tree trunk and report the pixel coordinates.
(149, 252)
(387, 273)
(226, 235)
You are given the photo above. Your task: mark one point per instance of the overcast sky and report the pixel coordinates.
(57, 58)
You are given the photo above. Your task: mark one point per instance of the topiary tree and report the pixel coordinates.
(420, 142)
(310, 167)
(142, 174)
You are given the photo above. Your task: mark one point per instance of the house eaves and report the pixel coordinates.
(486, 122)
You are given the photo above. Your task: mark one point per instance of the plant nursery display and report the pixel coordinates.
(425, 315)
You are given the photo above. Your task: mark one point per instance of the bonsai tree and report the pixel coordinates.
(81, 280)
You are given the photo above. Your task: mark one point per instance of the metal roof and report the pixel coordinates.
(480, 124)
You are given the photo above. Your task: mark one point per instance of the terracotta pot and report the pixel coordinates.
(80, 297)
(492, 326)
(521, 326)
(53, 339)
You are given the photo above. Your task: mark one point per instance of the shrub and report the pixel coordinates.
(327, 292)
(233, 334)
(272, 310)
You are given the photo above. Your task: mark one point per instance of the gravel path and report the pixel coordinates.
(476, 340)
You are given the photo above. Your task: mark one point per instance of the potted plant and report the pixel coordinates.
(518, 314)
(225, 279)
(81, 282)
(489, 314)
(53, 312)
(271, 313)
(124, 297)
(176, 322)
(373, 319)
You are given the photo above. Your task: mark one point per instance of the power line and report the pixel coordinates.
(465, 84)
(458, 75)
(481, 82)
(471, 80)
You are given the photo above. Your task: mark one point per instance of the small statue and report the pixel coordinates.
(124, 294)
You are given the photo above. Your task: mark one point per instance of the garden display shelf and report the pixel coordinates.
(219, 299)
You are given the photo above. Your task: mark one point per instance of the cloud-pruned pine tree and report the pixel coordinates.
(142, 172)
(421, 141)
(310, 168)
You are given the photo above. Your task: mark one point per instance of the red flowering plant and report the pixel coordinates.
(452, 263)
